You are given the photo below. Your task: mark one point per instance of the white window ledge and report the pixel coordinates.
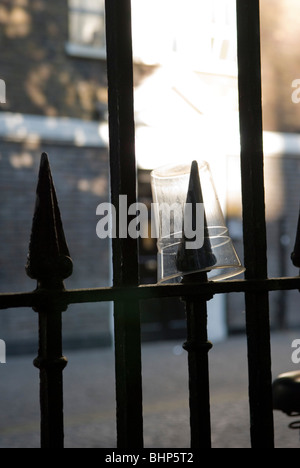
(82, 51)
(40, 129)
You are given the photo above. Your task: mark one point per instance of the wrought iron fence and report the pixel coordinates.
(49, 262)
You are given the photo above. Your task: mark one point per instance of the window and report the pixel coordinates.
(86, 28)
(206, 35)
(202, 33)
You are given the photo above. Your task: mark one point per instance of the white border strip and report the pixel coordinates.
(281, 143)
(82, 51)
(24, 128)
(67, 131)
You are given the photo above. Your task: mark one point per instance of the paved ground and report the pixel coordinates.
(89, 397)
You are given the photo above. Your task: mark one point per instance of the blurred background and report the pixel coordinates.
(53, 62)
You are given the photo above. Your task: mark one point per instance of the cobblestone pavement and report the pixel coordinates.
(90, 407)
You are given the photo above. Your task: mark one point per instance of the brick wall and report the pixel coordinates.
(280, 63)
(40, 77)
(43, 80)
(81, 180)
(282, 172)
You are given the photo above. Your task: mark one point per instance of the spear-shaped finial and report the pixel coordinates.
(296, 252)
(189, 260)
(48, 260)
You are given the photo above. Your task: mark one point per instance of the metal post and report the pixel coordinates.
(198, 346)
(125, 249)
(296, 252)
(254, 223)
(49, 262)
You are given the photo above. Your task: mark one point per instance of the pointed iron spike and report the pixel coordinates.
(48, 259)
(189, 260)
(60, 236)
(44, 160)
(194, 194)
(296, 252)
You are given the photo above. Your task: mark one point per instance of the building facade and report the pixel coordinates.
(55, 102)
(53, 66)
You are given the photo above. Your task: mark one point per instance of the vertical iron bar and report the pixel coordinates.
(49, 262)
(198, 346)
(125, 249)
(51, 363)
(254, 223)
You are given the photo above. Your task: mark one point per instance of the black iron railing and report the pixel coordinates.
(50, 264)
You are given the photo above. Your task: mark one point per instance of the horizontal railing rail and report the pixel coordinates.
(144, 292)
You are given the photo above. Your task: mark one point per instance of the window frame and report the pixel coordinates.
(83, 50)
(204, 64)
